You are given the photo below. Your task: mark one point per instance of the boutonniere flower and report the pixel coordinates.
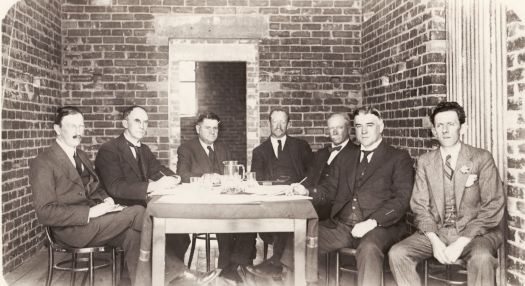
(465, 169)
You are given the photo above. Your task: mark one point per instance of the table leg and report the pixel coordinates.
(300, 251)
(158, 251)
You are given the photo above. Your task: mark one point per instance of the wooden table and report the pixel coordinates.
(289, 216)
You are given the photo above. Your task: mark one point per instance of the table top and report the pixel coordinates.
(294, 209)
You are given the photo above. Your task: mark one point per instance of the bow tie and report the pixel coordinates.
(336, 148)
(133, 145)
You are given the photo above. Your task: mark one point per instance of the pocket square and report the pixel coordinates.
(471, 180)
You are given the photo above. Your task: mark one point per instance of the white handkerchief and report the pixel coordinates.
(471, 180)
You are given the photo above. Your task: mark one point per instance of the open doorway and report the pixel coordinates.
(218, 87)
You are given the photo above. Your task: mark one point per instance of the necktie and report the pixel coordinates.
(336, 148)
(279, 149)
(139, 160)
(449, 172)
(213, 159)
(78, 163)
(364, 162)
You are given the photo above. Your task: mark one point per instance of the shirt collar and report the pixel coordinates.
(452, 151)
(343, 145)
(132, 141)
(372, 147)
(205, 146)
(275, 143)
(70, 151)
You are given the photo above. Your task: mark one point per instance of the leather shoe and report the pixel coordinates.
(194, 278)
(267, 269)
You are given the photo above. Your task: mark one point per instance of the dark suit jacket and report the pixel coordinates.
(59, 197)
(323, 192)
(480, 200)
(193, 160)
(300, 153)
(120, 173)
(385, 191)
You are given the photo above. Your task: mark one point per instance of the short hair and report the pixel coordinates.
(128, 110)
(279, 110)
(65, 111)
(449, 106)
(207, 115)
(342, 114)
(367, 109)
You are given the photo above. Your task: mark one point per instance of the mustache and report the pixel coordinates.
(77, 136)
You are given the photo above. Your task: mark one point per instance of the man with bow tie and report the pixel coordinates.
(69, 198)
(370, 199)
(458, 204)
(130, 172)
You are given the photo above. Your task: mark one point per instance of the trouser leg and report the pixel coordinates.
(480, 255)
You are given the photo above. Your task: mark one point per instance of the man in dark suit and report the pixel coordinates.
(281, 159)
(68, 198)
(458, 203)
(373, 191)
(204, 155)
(320, 177)
(130, 171)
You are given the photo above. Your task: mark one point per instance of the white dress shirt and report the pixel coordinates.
(334, 153)
(275, 144)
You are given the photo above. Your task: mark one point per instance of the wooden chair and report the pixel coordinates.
(77, 256)
(450, 274)
(208, 238)
(344, 252)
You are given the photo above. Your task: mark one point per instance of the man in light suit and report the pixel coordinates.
(281, 159)
(458, 204)
(205, 155)
(129, 171)
(68, 198)
(370, 200)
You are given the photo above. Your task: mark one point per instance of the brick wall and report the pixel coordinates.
(404, 67)
(516, 148)
(309, 60)
(221, 88)
(31, 77)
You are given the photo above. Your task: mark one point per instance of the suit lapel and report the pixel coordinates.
(128, 156)
(65, 164)
(87, 164)
(436, 182)
(460, 178)
(351, 165)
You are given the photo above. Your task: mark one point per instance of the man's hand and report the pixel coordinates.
(438, 247)
(454, 250)
(359, 230)
(298, 189)
(163, 183)
(109, 200)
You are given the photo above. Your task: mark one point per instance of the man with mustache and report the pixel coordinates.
(281, 159)
(68, 196)
(130, 172)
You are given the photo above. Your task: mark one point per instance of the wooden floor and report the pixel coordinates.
(33, 272)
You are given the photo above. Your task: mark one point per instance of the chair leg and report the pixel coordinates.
(73, 266)
(122, 265)
(426, 272)
(208, 250)
(337, 268)
(91, 270)
(327, 278)
(192, 250)
(51, 263)
(113, 267)
(265, 250)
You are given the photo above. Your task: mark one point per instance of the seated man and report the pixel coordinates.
(68, 198)
(369, 204)
(320, 180)
(281, 159)
(458, 204)
(205, 155)
(129, 171)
